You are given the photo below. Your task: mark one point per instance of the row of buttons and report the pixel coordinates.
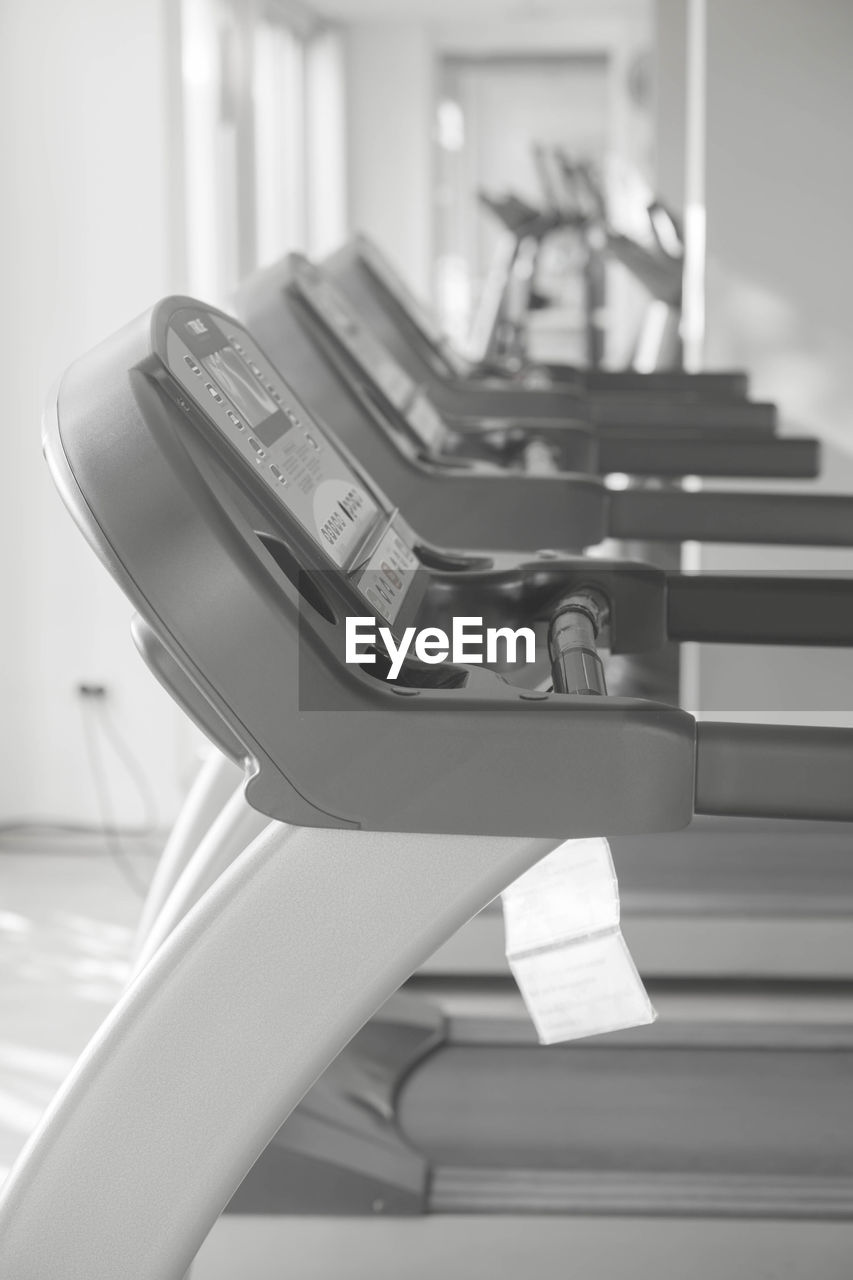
(213, 391)
(282, 479)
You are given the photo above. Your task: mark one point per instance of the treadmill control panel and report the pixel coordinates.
(385, 374)
(243, 396)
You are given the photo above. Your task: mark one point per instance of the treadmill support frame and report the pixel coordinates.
(220, 1036)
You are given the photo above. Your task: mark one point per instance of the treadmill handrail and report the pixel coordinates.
(754, 608)
(742, 456)
(786, 519)
(744, 770)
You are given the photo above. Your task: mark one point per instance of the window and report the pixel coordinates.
(263, 124)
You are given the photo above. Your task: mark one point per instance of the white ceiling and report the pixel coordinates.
(468, 11)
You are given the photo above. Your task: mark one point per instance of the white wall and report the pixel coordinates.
(780, 286)
(86, 242)
(670, 96)
(389, 67)
(780, 191)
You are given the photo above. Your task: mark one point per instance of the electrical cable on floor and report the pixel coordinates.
(46, 827)
(149, 831)
(132, 767)
(109, 828)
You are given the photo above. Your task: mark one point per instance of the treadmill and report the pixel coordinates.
(349, 379)
(211, 493)
(425, 439)
(673, 886)
(722, 384)
(504, 486)
(648, 401)
(498, 328)
(658, 269)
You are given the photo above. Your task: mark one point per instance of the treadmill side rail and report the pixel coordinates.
(709, 384)
(775, 457)
(772, 770)
(789, 519)
(618, 412)
(751, 608)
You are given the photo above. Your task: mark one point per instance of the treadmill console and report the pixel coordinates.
(250, 543)
(243, 397)
(332, 309)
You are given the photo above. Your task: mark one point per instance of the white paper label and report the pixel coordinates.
(565, 947)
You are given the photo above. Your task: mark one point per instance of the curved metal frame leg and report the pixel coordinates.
(214, 784)
(219, 1037)
(232, 831)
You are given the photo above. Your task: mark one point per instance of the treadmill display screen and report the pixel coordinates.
(245, 391)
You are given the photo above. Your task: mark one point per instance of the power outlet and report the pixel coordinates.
(90, 689)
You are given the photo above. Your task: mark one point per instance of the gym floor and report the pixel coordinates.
(66, 929)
